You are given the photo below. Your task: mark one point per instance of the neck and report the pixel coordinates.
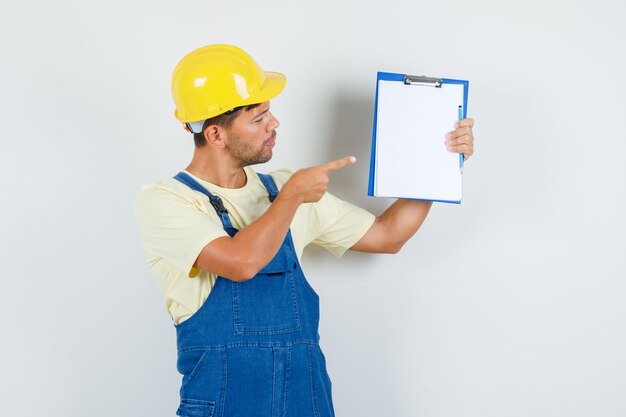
(216, 169)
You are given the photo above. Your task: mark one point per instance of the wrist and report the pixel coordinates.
(288, 198)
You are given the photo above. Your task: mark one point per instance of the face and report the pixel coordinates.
(252, 136)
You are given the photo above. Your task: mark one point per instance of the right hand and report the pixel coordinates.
(309, 185)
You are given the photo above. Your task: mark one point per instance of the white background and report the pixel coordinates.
(511, 304)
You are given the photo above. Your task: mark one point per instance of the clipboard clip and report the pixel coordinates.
(423, 81)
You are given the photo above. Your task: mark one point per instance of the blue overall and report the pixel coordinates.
(252, 349)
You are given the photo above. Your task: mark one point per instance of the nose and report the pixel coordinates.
(274, 123)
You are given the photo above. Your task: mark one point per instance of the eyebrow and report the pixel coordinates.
(259, 114)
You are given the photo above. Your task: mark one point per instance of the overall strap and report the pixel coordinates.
(216, 202)
(270, 185)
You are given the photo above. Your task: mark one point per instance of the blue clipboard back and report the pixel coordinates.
(404, 78)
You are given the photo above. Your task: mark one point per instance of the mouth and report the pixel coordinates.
(272, 140)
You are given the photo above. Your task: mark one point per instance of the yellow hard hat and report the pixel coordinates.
(217, 78)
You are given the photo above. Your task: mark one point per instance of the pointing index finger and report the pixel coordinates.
(339, 163)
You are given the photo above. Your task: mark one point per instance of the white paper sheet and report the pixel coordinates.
(411, 158)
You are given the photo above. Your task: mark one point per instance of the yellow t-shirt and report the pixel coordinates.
(176, 223)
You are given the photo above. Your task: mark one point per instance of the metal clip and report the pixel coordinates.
(423, 81)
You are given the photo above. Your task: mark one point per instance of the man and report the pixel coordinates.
(224, 245)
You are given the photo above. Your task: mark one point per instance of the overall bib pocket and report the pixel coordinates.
(266, 304)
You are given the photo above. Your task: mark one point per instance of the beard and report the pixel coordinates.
(245, 153)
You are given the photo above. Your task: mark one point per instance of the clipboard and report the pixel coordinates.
(408, 157)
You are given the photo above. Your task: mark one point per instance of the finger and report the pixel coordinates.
(465, 122)
(465, 149)
(338, 163)
(464, 130)
(460, 140)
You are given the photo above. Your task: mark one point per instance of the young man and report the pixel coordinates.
(224, 245)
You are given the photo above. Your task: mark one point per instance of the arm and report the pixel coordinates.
(241, 257)
(392, 229)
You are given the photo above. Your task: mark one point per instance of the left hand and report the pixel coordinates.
(461, 139)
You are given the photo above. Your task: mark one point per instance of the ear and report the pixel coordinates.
(214, 136)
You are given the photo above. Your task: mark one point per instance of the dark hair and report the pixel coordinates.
(224, 120)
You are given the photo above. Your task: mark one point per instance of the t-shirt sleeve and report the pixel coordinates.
(174, 227)
(340, 224)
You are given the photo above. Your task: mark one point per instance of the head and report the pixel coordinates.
(246, 134)
(217, 85)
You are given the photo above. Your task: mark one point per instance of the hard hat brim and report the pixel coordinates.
(274, 84)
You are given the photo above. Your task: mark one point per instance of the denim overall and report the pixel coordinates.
(252, 349)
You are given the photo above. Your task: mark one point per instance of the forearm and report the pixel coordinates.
(241, 257)
(394, 227)
(402, 220)
(260, 241)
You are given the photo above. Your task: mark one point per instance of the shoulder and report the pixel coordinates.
(165, 189)
(163, 196)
